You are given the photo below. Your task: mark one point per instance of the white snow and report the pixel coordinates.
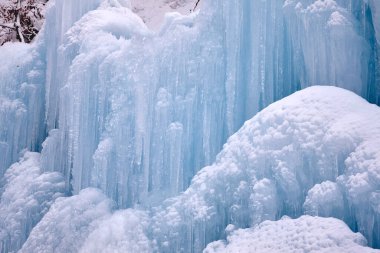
(136, 114)
(86, 223)
(321, 139)
(68, 223)
(305, 234)
(26, 197)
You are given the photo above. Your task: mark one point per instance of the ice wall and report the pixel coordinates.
(325, 39)
(290, 159)
(27, 76)
(20, 104)
(313, 152)
(140, 113)
(137, 114)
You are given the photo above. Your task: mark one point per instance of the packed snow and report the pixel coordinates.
(130, 108)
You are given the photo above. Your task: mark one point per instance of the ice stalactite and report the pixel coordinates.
(128, 95)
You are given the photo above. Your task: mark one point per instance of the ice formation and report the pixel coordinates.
(112, 105)
(85, 223)
(27, 195)
(274, 164)
(279, 163)
(305, 234)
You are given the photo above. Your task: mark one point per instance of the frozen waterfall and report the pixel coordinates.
(109, 104)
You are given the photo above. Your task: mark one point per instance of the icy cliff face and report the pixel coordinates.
(297, 156)
(112, 105)
(140, 112)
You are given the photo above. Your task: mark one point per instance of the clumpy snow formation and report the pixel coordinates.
(124, 231)
(112, 105)
(314, 148)
(321, 141)
(324, 199)
(26, 196)
(68, 222)
(137, 113)
(85, 223)
(305, 234)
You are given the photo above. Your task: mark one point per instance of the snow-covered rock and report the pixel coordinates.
(153, 11)
(27, 15)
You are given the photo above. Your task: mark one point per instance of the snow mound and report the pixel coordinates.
(27, 196)
(274, 164)
(124, 231)
(305, 234)
(86, 223)
(68, 223)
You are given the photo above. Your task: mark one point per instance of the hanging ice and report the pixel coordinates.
(141, 113)
(112, 105)
(321, 141)
(276, 162)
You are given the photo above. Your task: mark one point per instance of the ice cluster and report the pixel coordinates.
(305, 234)
(125, 117)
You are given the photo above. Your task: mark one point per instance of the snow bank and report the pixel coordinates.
(305, 234)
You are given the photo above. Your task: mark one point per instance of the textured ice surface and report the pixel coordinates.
(140, 113)
(305, 234)
(325, 26)
(137, 114)
(85, 223)
(316, 147)
(20, 91)
(68, 223)
(314, 152)
(26, 196)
